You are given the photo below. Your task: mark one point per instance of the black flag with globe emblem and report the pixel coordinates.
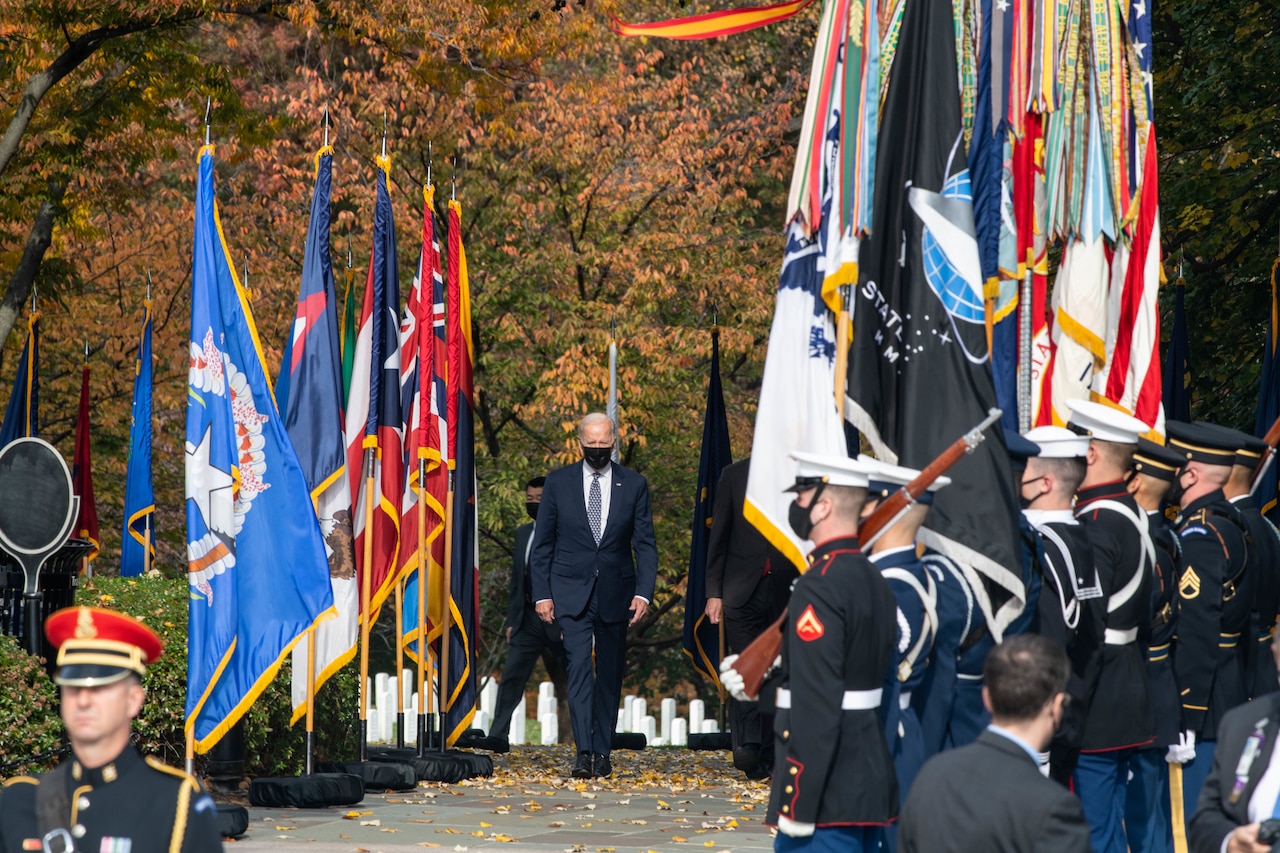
(919, 370)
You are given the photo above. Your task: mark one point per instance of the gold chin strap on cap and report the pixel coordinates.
(98, 652)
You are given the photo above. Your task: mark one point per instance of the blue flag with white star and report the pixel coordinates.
(256, 564)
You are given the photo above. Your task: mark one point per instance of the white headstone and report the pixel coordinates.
(679, 732)
(546, 705)
(668, 714)
(489, 696)
(710, 726)
(697, 713)
(550, 729)
(482, 720)
(628, 714)
(639, 710)
(516, 734)
(546, 688)
(650, 728)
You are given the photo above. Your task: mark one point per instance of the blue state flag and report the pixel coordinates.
(139, 497)
(256, 562)
(701, 637)
(1267, 492)
(1177, 366)
(22, 415)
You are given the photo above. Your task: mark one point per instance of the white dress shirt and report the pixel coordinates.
(1263, 801)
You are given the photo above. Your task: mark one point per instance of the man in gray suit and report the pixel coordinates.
(593, 567)
(990, 796)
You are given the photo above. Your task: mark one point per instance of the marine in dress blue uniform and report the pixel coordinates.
(1214, 607)
(1119, 720)
(106, 797)
(834, 787)
(1148, 820)
(894, 554)
(1070, 609)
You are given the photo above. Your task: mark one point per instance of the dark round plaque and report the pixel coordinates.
(37, 507)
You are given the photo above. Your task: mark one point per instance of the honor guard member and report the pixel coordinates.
(1264, 564)
(894, 554)
(949, 700)
(833, 785)
(106, 797)
(1148, 822)
(1214, 602)
(1119, 718)
(1071, 605)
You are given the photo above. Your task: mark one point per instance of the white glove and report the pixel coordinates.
(795, 829)
(774, 667)
(1184, 750)
(733, 681)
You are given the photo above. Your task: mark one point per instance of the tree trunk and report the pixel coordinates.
(15, 295)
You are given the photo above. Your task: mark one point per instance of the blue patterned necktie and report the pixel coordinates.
(594, 507)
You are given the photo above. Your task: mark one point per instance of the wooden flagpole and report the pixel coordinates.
(365, 581)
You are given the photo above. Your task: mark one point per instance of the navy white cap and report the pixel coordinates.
(815, 469)
(1020, 450)
(1057, 442)
(1105, 423)
(885, 479)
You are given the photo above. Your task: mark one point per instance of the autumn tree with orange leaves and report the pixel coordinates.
(603, 181)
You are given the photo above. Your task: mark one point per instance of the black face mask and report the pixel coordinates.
(1174, 496)
(531, 507)
(597, 457)
(798, 516)
(1022, 501)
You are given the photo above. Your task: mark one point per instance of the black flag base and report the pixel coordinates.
(450, 765)
(233, 821)
(316, 791)
(376, 775)
(629, 740)
(711, 740)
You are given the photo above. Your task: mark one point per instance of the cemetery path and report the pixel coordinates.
(659, 800)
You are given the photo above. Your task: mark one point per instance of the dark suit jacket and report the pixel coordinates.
(518, 593)
(567, 565)
(989, 797)
(1216, 816)
(736, 552)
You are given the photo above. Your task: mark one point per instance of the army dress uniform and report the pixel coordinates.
(833, 766)
(129, 805)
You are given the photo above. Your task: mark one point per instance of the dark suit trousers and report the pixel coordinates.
(748, 727)
(595, 686)
(527, 643)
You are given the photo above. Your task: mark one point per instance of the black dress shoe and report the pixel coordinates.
(600, 766)
(582, 768)
(494, 744)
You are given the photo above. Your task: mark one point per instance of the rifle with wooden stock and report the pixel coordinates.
(756, 658)
(1272, 438)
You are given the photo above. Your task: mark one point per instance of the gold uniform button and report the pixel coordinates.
(784, 808)
(794, 771)
(786, 733)
(790, 789)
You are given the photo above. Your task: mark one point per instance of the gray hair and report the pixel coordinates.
(597, 418)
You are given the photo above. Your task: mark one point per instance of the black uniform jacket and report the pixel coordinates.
(1224, 804)
(833, 766)
(1214, 591)
(1166, 698)
(1119, 709)
(989, 797)
(132, 803)
(1264, 571)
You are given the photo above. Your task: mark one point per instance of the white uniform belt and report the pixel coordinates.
(854, 700)
(904, 700)
(1116, 637)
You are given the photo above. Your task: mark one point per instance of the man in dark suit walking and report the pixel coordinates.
(748, 585)
(1243, 788)
(990, 796)
(528, 637)
(593, 567)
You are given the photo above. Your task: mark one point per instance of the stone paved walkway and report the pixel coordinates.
(658, 801)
